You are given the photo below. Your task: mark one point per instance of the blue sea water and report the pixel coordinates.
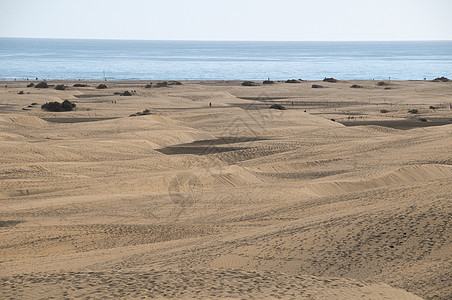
(197, 60)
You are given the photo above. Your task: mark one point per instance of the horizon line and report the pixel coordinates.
(205, 40)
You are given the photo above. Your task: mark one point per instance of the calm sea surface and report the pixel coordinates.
(194, 60)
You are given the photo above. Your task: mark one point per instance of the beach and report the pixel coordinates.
(197, 189)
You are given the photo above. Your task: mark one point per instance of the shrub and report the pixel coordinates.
(31, 84)
(60, 87)
(161, 84)
(58, 107)
(42, 85)
(293, 81)
(174, 83)
(441, 79)
(432, 107)
(355, 86)
(267, 82)
(20, 92)
(249, 83)
(126, 93)
(80, 85)
(148, 86)
(34, 103)
(423, 119)
(102, 86)
(383, 111)
(317, 86)
(382, 83)
(332, 80)
(143, 113)
(413, 111)
(277, 106)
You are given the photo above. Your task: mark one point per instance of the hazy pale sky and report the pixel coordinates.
(279, 20)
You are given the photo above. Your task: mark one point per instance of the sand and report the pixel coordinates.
(343, 195)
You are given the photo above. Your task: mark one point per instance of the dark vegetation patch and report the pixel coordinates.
(60, 87)
(317, 86)
(294, 81)
(268, 82)
(141, 113)
(126, 93)
(249, 83)
(102, 86)
(80, 85)
(31, 84)
(356, 86)
(161, 84)
(42, 85)
(413, 111)
(332, 80)
(441, 79)
(382, 83)
(383, 111)
(9, 223)
(20, 93)
(58, 107)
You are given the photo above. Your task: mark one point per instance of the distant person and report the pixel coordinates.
(210, 104)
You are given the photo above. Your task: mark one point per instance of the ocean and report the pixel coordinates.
(73, 59)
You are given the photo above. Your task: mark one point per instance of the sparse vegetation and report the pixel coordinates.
(382, 83)
(31, 84)
(332, 80)
(126, 93)
(356, 86)
(58, 107)
(174, 82)
(161, 84)
(413, 111)
(80, 85)
(268, 82)
(317, 86)
(60, 87)
(441, 79)
(102, 86)
(277, 106)
(148, 86)
(20, 92)
(423, 119)
(42, 85)
(293, 81)
(142, 113)
(432, 107)
(34, 103)
(249, 83)
(383, 111)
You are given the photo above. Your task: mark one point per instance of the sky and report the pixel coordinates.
(249, 20)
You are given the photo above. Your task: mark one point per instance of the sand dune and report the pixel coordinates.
(230, 201)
